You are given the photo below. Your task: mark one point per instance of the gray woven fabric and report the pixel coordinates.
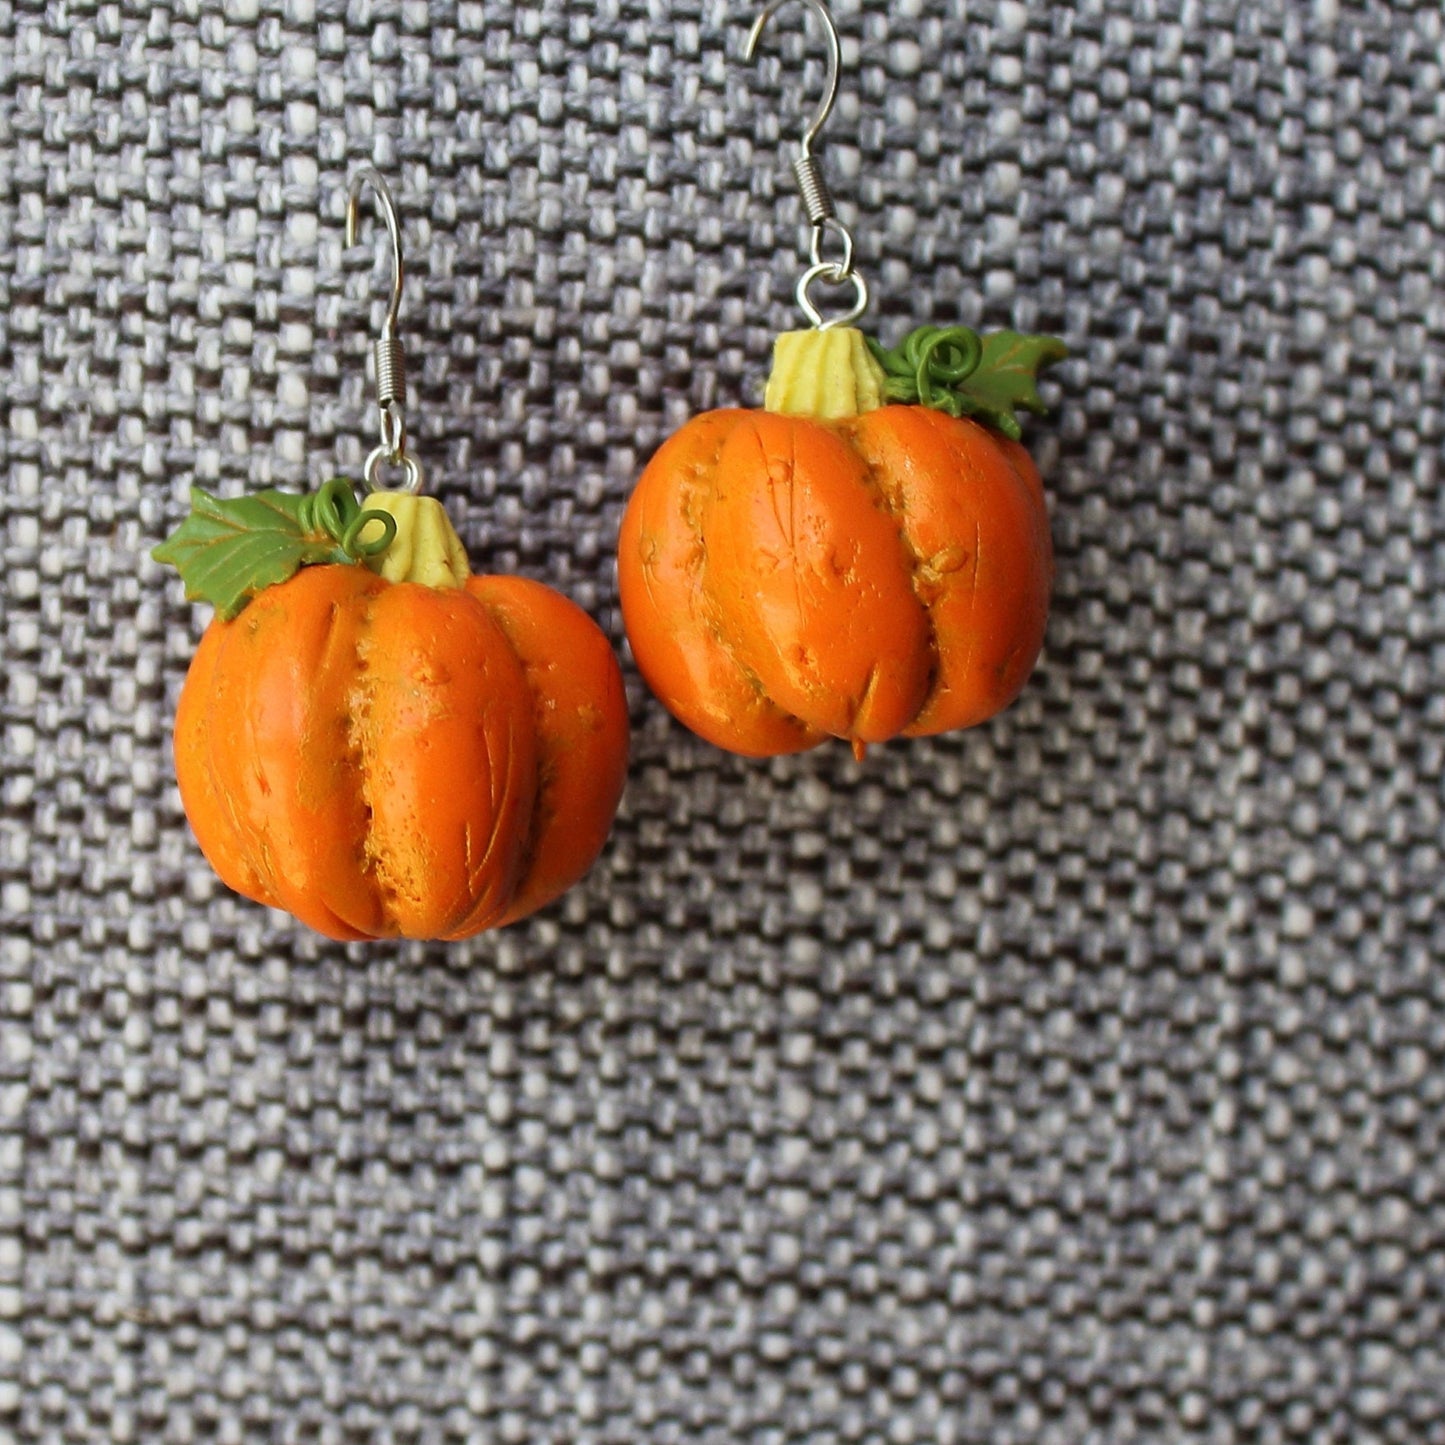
(1075, 1079)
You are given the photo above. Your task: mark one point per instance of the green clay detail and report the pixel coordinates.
(955, 370)
(229, 549)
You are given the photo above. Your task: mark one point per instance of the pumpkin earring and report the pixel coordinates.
(369, 736)
(867, 556)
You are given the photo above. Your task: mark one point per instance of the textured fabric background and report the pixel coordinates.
(1076, 1079)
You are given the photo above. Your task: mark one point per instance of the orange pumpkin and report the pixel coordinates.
(833, 565)
(398, 757)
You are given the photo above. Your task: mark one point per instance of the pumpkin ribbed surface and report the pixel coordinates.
(785, 579)
(385, 759)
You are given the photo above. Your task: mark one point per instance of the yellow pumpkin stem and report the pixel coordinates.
(426, 548)
(827, 375)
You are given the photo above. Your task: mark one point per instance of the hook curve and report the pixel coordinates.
(369, 176)
(835, 61)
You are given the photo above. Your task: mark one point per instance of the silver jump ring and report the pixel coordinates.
(407, 462)
(832, 224)
(829, 271)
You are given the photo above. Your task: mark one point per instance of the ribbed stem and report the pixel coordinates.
(828, 375)
(426, 548)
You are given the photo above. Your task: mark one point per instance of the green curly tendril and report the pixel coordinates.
(955, 370)
(928, 363)
(334, 510)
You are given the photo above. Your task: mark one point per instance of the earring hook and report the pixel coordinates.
(363, 178)
(386, 350)
(835, 61)
(817, 199)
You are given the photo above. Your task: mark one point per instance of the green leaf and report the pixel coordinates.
(228, 550)
(954, 370)
(1006, 377)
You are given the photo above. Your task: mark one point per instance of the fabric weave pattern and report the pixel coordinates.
(1075, 1079)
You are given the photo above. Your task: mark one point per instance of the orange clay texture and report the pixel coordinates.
(388, 759)
(785, 579)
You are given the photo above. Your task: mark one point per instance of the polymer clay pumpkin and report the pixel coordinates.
(390, 749)
(857, 560)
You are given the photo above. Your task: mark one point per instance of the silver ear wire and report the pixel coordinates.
(817, 199)
(387, 350)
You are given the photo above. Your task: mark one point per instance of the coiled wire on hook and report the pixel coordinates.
(817, 198)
